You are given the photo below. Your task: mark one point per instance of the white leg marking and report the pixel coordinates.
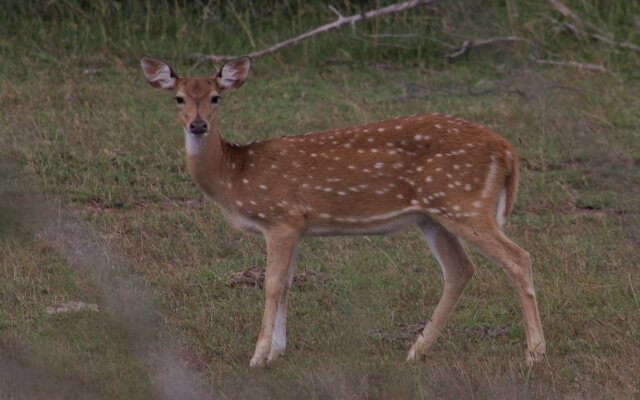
(429, 233)
(502, 204)
(279, 338)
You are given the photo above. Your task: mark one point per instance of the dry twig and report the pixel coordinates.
(342, 20)
(471, 43)
(622, 45)
(573, 64)
(568, 14)
(580, 28)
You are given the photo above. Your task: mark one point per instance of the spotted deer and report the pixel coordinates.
(455, 180)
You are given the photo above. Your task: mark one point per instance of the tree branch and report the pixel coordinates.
(342, 20)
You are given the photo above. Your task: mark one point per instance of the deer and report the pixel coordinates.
(454, 180)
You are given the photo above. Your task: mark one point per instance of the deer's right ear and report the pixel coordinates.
(158, 74)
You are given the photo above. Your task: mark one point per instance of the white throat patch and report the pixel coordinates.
(193, 143)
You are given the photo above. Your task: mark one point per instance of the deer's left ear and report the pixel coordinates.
(158, 74)
(233, 73)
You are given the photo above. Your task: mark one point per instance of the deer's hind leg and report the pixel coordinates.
(516, 262)
(457, 269)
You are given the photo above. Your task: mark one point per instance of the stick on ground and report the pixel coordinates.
(573, 64)
(471, 43)
(581, 27)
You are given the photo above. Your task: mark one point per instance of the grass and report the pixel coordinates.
(96, 206)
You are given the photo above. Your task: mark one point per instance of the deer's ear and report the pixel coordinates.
(233, 73)
(158, 74)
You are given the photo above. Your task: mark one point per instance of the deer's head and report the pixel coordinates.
(197, 99)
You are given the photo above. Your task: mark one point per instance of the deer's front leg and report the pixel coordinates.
(281, 245)
(279, 339)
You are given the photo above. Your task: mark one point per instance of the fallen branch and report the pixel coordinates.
(568, 14)
(471, 43)
(342, 20)
(573, 64)
(623, 45)
(564, 10)
(579, 33)
(578, 30)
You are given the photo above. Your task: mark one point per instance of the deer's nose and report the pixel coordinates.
(198, 127)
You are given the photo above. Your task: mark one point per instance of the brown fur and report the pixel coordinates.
(302, 172)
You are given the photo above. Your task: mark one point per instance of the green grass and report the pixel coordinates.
(96, 205)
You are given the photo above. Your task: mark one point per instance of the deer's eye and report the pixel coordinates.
(179, 100)
(215, 99)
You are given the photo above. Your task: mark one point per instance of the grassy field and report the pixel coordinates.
(96, 205)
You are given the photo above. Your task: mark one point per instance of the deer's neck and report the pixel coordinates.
(207, 159)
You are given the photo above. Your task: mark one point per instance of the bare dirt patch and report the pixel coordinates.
(253, 278)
